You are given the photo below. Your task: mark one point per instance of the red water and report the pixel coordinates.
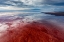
(32, 32)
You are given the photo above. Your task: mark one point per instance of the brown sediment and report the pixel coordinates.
(33, 32)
